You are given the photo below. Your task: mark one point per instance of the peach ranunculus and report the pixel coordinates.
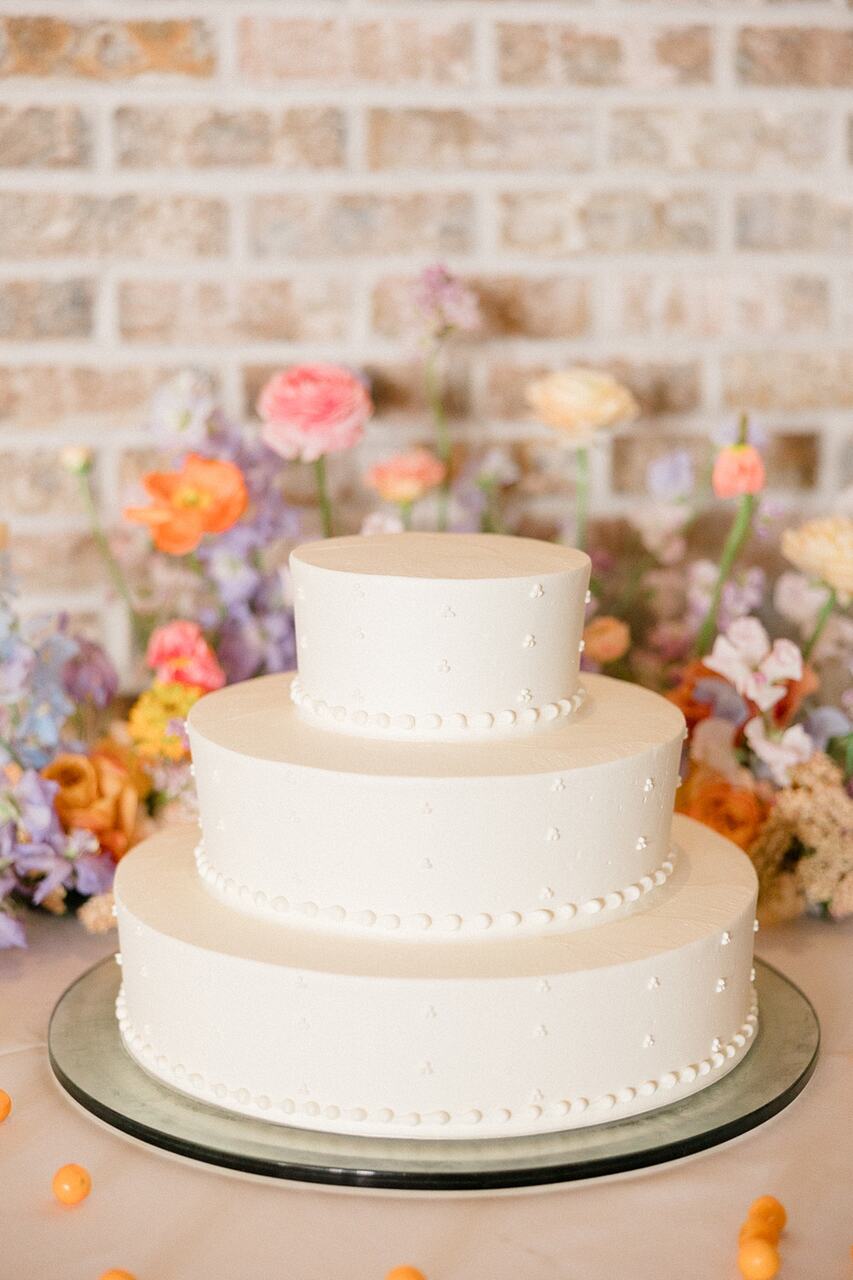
(739, 469)
(405, 479)
(207, 495)
(823, 548)
(179, 654)
(578, 402)
(736, 812)
(99, 794)
(313, 409)
(606, 639)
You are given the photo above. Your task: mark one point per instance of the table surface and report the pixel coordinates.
(162, 1218)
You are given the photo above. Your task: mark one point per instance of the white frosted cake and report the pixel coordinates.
(440, 891)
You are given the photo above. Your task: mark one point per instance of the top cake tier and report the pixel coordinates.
(437, 635)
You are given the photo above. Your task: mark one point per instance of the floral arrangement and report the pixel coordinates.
(755, 646)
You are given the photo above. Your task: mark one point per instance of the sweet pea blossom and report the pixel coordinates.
(744, 657)
(313, 409)
(779, 751)
(444, 303)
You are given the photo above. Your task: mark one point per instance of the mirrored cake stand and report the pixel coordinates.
(90, 1062)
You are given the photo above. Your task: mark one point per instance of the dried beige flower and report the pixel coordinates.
(823, 549)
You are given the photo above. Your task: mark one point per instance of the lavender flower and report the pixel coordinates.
(825, 723)
(11, 929)
(444, 303)
(89, 676)
(670, 477)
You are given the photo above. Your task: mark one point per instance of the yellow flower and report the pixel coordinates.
(578, 402)
(154, 718)
(823, 548)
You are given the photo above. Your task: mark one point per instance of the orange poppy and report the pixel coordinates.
(205, 496)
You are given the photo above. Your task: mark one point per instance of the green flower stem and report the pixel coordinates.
(442, 431)
(820, 622)
(113, 567)
(738, 535)
(323, 497)
(490, 521)
(406, 514)
(581, 497)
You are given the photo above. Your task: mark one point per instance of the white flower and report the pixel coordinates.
(799, 600)
(779, 751)
(744, 657)
(382, 522)
(659, 525)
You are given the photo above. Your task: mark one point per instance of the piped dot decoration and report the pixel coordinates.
(457, 721)
(420, 922)
(196, 1084)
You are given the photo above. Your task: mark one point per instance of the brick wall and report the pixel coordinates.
(663, 188)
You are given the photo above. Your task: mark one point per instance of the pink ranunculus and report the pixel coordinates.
(179, 654)
(406, 477)
(313, 409)
(739, 469)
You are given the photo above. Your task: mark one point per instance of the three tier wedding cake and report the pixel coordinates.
(439, 890)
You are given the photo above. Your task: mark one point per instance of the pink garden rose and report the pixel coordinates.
(739, 469)
(179, 654)
(406, 477)
(313, 409)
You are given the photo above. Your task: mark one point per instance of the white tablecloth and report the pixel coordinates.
(166, 1219)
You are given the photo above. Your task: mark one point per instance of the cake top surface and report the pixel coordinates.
(711, 883)
(440, 556)
(257, 719)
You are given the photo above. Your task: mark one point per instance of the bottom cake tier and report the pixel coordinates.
(459, 1039)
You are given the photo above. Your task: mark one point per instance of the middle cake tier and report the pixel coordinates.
(552, 831)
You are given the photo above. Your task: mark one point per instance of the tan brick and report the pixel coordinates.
(659, 387)
(705, 304)
(43, 562)
(200, 137)
(491, 138)
(46, 395)
(796, 220)
(559, 53)
(105, 50)
(268, 310)
(734, 140)
(791, 458)
(36, 309)
(33, 484)
(789, 380)
(317, 225)
(815, 57)
(46, 225)
(44, 138)
(624, 221)
(556, 306)
(392, 51)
